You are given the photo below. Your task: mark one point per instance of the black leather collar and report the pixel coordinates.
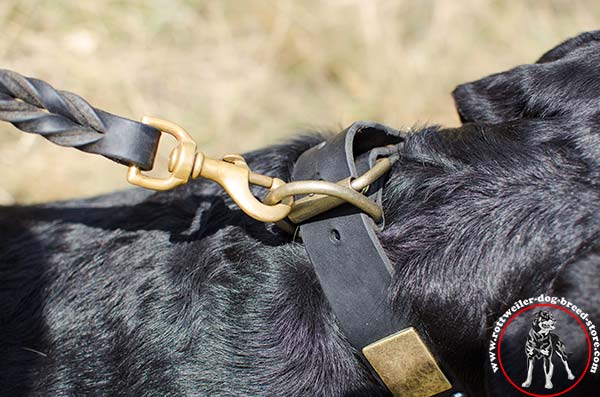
(348, 259)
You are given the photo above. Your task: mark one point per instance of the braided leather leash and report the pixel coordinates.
(67, 119)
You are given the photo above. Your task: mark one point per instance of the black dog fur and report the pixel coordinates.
(179, 293)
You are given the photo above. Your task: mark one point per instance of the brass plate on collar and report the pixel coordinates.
(406, 366)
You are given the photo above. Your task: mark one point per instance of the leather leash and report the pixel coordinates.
(355, 273)
(66, 119)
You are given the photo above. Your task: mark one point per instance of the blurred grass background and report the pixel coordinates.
(242, 74)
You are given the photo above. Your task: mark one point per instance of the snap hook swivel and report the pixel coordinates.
(232, 173)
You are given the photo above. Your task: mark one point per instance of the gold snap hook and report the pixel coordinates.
(232, 173)
(235, 177)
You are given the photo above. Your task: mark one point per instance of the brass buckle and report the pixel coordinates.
(232, 173)
(406, 366)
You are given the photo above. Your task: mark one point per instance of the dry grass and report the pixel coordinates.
(242, 74)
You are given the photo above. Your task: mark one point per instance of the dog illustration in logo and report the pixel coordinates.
(541, 344)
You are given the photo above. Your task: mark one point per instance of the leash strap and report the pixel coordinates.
(66, 119)
(354, 271)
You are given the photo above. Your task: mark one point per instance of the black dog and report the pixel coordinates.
(179, 293)
(542, 345)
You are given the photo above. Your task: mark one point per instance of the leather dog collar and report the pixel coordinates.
(355, 273)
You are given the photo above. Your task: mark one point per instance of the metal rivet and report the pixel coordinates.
(334, 235)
